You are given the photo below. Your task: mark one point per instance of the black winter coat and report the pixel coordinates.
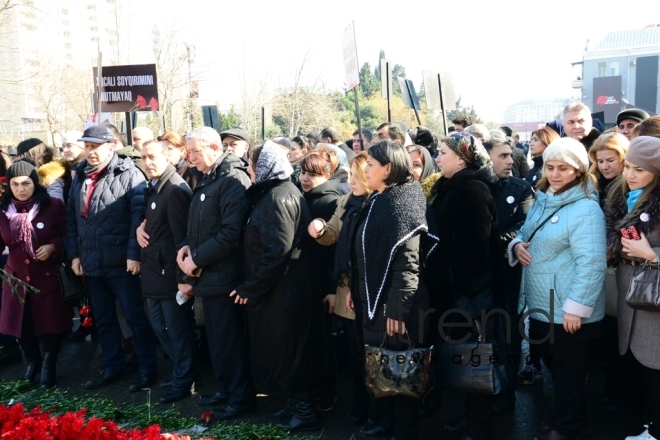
(215, 221)
(520, 167)
(466, 269)
(285, 322)
(166, 213)
(189, 174)
(513, 198)
(105, 239)
(322, 203)
(535, 174)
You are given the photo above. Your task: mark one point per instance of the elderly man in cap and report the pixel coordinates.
(105, 207)
(629, 119)
(236, 141)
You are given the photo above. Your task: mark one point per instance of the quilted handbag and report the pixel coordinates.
(473, 367)
(398, 372)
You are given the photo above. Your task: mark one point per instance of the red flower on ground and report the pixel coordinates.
(87, 322)
(141, 102)
(207, 417)
(153, 103)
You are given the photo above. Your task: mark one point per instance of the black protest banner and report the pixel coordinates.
(128, 88)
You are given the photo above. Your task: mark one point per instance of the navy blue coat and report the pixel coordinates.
(105, 239)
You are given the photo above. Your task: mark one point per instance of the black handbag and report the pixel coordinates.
(473, 367)
(398, 372)
(70, 284)
(644, 290)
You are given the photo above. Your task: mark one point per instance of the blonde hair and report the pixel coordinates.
(610, 141)
(357, 168)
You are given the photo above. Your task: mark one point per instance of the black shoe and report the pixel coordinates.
(285, 413)
(304, 418)
(229, 412)
(48, 371)
(166, 384)
(175, 394)
(374, 431)
(10, 354)
(213, 399)
(457, 425)
(33, 368)
(144, 380)
(102, 381)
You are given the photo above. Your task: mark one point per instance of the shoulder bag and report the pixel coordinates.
(71, 285)
(644, 290)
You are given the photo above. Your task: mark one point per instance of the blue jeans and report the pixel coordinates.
(174, 325)
(103, 293)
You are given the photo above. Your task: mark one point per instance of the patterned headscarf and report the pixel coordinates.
(468, 148)
(272, 164)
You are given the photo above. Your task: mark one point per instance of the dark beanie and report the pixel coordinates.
(22, 168)
(26, 145)
(644, 152)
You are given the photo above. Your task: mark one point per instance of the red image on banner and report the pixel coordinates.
(606, 100)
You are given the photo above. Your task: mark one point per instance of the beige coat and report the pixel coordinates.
(329, 237)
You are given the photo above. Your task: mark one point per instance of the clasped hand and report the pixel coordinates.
(185, 261)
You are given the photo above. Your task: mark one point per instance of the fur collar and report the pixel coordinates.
(617, 215)
(51, 171)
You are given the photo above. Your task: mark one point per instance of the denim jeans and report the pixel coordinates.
(102, 293)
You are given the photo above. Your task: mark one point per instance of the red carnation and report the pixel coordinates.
(207, 417)
(87, 322)
(153, 103)
(141, 102)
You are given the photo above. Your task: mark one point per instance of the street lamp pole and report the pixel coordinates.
(189, 50)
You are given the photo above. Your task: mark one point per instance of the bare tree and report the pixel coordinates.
(304, 105)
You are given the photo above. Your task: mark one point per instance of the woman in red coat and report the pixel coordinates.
(32, 225)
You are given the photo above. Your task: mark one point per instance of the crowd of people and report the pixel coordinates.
(394, 239)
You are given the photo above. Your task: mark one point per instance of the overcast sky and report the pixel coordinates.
(498, 52)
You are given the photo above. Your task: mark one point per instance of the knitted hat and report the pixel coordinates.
(569, 151)
(22, 168)
(468, 148)
(636, 114)
(26, 145)
(644, 152)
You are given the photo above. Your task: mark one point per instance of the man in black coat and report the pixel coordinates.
(161, 235)
(213, 258)
(105, 207)
(513, 199)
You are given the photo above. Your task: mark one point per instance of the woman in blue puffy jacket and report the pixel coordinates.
(562, 246)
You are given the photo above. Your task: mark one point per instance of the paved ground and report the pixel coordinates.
(81, 362)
